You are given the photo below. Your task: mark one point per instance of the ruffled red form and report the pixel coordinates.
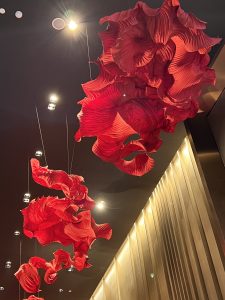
(153, 66)
(67, 221)
(32, 297)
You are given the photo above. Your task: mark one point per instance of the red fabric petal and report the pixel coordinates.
(32, 297)
(102, 230)
(38, 262)
(50, 276)
(71, 185)
(62, 258)
(28, 278)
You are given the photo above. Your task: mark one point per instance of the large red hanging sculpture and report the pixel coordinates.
(153, 66)
(67, 221)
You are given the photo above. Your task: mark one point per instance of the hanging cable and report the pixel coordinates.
(28, 175)
(20, 262)
(71, 164)
(42, 141)
(67, 145)
(88, 53)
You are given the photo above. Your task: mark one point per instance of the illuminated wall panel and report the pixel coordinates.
(173, 250)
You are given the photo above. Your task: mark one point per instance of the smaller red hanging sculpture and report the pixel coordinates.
(67, 221)
(153, 66)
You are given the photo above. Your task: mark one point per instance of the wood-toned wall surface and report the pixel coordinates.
(173, 250)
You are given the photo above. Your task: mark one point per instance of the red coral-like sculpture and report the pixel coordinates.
(67, 221)
(153, 66)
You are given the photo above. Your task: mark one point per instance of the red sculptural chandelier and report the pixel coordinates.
(67, 221)
(153, 66)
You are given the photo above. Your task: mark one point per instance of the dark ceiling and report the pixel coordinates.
(34, 61)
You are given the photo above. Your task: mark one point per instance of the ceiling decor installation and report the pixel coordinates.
(67, 221)
(153, 67)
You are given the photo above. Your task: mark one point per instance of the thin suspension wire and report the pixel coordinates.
(72, 158)
(42, 141)
(20, 262)
(67, 145)
(88, 53)
(28, 175)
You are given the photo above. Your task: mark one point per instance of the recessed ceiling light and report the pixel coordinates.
(60, 290)
(71, 269)
(18, 14)
(2, 288)
(38, 153)
(70, 291)
(152, 275)
(72, 25)
(16, 232)
(26, 197)
(58, 24)
(100, 205)
(51, 106)
(2, 11)
(8, 264)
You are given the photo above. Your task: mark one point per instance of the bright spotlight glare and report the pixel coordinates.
(72, 25)
(53, 98)
(100, 205)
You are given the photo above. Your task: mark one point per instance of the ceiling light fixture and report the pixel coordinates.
(70, 291)
(38, 153)
(100, 205)
(26, 197)
(2, 11)
(16, 232)
(18, 14)
(2, 288)
(72, 25)
(60, 290)
(71, 269)
(8, 264)
(58, 24)
(53, 98)
(51, 106)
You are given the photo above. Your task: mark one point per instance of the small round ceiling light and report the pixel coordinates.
(72, 25)
(18, 14)
(70, 291)
(60, 290)
(2, 11)
(16, 232)
(51, 106)
(152, 275)
(71, 269)
(2, 288)
(38, 153)
(8, 264)
(26, 197)
(58, 24)
(100, 205)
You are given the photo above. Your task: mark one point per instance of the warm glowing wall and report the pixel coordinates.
(173, 250)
